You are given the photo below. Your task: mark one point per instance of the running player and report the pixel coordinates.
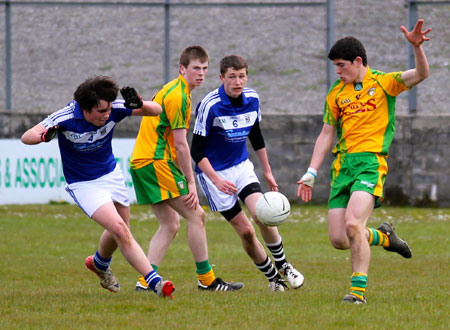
(94, 180)
(162, 172)
(360, 107)
(224, 119)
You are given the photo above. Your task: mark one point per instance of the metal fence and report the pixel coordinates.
(288, 34)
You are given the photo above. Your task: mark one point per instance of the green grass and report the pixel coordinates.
(44, 284)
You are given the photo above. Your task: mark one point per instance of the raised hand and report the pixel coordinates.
(416, 37)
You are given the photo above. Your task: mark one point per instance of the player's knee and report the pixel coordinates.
(202, 216)
(247, 233)
(122, 233)
(171, 227)
(339, 243)
(351, 229)
(339, 240)
(197, 217)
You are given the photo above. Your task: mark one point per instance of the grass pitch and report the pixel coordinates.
(44, 284)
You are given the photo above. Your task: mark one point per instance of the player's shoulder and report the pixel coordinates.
(250, 93)
(210, 99)
(118, 104)
(211, 96)
(387, 80)
(374, 72)
(64, 114)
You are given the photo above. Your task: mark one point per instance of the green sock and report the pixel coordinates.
(155, 268)
(203, 267)
(376, 237)
(205, 273)
(358, 288)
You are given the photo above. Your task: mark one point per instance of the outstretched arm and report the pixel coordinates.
(133, 100)
(416, 38)
(39, 133)
(149, 108)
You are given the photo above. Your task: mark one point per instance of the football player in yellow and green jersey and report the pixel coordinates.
(364, 112)
(162, 172)
(360, 109)
(155, 138)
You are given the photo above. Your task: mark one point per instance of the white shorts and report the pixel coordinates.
(90, 195)
(241, 175)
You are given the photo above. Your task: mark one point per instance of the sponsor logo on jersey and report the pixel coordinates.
(360, 107)
(368, 184)
(91, 136)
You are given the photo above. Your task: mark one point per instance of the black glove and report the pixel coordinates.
(49, 134)
(132, 98)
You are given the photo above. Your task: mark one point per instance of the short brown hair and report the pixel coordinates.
(193, 53)
(233, 61)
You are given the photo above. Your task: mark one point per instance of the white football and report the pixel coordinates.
(273, 208)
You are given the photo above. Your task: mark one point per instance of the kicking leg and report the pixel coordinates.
(109, 216)
(274, 243)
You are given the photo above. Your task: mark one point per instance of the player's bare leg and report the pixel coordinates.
(274, 243)
(108, 216)
(195, 226)
(108, 244)
(169, 224)
(336, 229)
(249, 240)
(255, 250)
(358, 211)
(347, 229)
(167, 213)
(269, 234)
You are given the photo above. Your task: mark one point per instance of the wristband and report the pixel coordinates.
(312, 171)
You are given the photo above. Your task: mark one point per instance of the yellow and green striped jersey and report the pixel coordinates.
(155, 137)
(364, 113)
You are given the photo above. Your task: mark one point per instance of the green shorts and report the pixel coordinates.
(158, 181)
(363, 171)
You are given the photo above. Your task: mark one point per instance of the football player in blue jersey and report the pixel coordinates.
(224, 119)
(84, 128)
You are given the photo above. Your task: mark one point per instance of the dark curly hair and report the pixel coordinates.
(89, 93)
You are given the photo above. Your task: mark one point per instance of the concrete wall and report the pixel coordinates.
(419, 162)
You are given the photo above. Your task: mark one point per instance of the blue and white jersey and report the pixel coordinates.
(226, 126)
(86, 150)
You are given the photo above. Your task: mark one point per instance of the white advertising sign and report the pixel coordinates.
(33, 174)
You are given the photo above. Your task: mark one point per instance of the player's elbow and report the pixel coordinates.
(426, 74)
(155, 109)
(26, 138)
(422, 75)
